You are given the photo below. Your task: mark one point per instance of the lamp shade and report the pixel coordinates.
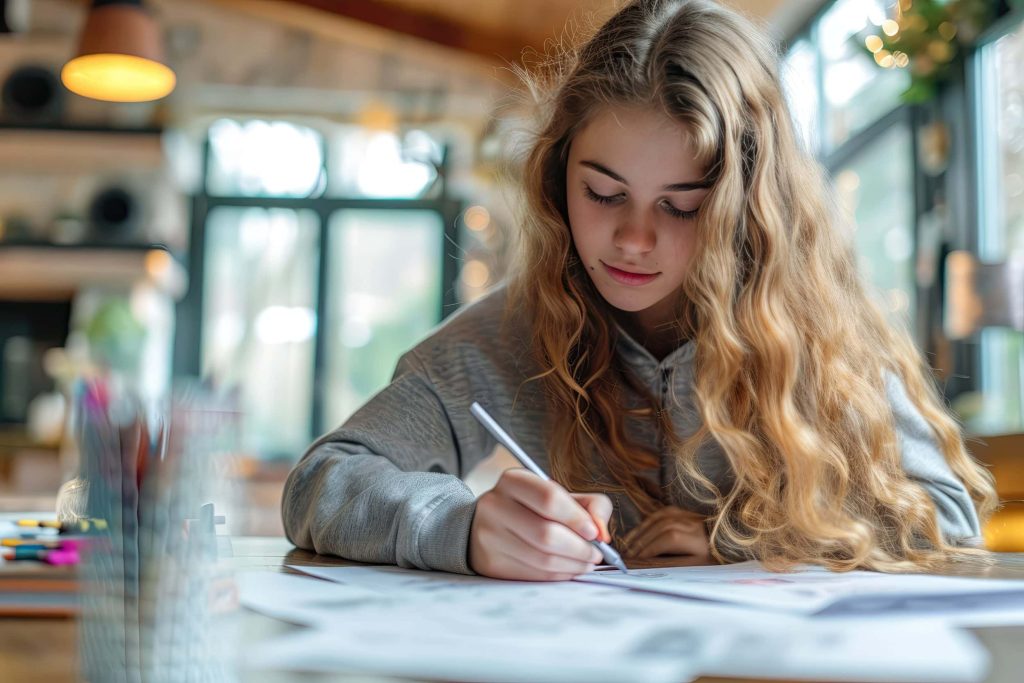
(120, 56)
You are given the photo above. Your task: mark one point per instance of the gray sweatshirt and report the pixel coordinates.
(385, 487)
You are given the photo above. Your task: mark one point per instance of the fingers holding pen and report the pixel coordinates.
(599, 507)
(549, 500)
(540, 565)
(508, 541)
(546, 536)
(529, 511)
(521, 530)
(521, 570)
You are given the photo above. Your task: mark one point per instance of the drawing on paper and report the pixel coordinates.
(670, 642)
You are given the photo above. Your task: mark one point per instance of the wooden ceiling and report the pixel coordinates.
(502, 29)
(488, 28)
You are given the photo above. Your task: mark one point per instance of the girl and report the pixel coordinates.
(685, 345)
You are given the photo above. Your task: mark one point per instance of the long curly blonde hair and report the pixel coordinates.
(791, 353)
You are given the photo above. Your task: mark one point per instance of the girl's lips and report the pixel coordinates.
(627, 278)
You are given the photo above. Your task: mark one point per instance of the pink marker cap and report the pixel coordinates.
(62, 557)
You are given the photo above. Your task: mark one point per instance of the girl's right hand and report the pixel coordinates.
(529, 529)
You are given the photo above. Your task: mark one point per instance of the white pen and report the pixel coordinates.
(609, 553)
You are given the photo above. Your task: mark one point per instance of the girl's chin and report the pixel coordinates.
(629, 304)
(656, 304)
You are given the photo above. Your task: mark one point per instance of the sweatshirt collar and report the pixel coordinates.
(638, 357)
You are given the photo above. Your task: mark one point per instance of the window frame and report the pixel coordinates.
(977, 241)
(189, 325)
(950, 107)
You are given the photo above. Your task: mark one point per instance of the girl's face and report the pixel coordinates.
(633, 189)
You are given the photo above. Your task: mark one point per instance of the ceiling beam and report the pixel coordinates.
(426, 26)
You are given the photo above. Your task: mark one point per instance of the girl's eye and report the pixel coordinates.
(669, 209)
(599, 198)
(679, 213)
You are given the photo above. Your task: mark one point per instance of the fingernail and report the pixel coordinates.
(589, 532)
(605, 536)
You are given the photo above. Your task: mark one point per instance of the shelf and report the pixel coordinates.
(56, 271)
(79, 149)
(14, 438)
(75, 128)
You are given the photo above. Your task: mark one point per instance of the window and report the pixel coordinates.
(1000, 116)
(877, 186)
(856, 91)
(376, 163)
(849, 114)
(318, 258)
(382, 298)
(259, 318)
(799, 78)
(264, 159)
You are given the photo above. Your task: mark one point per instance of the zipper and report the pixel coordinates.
(666, 379)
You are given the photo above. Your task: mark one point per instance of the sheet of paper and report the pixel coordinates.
(814, 590)
(840, 650)
(437, 625)
(392, 580)
(296, 599)
(396, 640)
(474, 623)
(984, 617)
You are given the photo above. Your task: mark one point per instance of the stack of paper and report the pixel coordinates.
(814, 590)
(744, 621)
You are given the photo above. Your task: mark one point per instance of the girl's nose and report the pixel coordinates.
(635, 235)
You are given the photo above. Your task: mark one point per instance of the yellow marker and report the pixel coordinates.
(78, 526)
(51, 523)
(15, 542)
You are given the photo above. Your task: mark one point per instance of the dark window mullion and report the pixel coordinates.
(188, 319)
(450, 257)
(923, 203)
(854, 145)
(322, 313)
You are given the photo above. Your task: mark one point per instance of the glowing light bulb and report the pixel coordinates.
(118, 78)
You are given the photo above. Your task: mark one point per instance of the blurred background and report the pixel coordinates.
(280, 197)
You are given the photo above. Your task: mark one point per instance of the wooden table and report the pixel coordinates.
(46, 649)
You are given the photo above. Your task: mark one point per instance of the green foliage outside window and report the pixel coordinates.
(929, 38)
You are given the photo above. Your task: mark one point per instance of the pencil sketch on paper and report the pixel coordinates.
(465, 628)
(671, 642)
(812, 590)
(635, 573)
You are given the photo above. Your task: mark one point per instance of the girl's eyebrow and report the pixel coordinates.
(674, 187)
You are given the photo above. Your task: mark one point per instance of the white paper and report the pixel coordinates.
(518, 635)
(296, 599)
(1010, 613)
(840, 650)
(473, 628)
(814, 590)
(392, 580)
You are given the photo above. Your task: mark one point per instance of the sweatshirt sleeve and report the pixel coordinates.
(924, 462)
(385, 487)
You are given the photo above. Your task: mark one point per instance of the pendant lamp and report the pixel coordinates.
(120, 55)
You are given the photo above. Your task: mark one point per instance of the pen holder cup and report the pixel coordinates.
(152, 582)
